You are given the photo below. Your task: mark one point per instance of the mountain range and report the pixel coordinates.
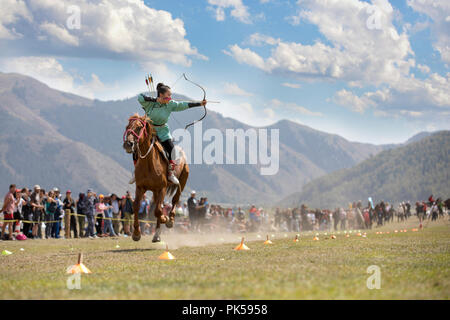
(54, 138)
(410, 172)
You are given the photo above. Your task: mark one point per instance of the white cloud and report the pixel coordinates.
(421, 97)
(11, 13)
(269, 113)
(246, 56)
(49, 71)
(349, 100)
(235, 90)
(291, 85)
(363, 48)
(246, 107)
(423, 68)
(439, 12)
(257, 39)
(60, 33)
(293, 107)
(238, 10)
(413, 114)
(356, 53)
(114, 29)
(294, 20)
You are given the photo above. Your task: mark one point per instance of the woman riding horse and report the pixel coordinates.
(158, 110)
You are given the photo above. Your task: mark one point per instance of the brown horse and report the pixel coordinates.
(151, 172)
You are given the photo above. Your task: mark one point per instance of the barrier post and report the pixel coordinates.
(67, 224)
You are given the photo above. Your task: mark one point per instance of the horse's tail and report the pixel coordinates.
(171, 190)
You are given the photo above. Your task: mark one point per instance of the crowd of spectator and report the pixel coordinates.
(41, 214)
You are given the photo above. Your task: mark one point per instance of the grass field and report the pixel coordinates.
(414, 265)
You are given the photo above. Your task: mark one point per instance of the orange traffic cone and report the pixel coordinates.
(316, 238)
(333, 236)
(296, 238)
(166, 255)
(79, 267)
(267, 241)
(242, 246)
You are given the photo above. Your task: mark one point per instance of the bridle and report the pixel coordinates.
(138, 136)
(142, 134)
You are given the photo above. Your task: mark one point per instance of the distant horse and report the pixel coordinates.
(151, 172)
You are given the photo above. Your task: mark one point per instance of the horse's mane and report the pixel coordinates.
(136, 115)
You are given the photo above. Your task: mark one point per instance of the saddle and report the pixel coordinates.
(177, 150)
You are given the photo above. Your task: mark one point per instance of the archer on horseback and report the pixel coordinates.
(158, 110)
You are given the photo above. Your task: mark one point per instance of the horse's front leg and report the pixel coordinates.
(137, 202)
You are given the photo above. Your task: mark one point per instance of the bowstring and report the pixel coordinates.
(172, 86)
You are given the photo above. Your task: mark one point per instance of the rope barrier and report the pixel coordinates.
(78, 215)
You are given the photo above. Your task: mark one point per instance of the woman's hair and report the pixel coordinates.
(161, 88)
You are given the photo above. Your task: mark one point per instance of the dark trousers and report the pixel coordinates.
(90, 227)
(98, 223)
(81, 224)
(336, 222)
(56, 228)
(73, 225)
(27, 226)
(193, 218)
(168, 146)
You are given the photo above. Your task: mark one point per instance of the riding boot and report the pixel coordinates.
(133, 179)
(171, 174)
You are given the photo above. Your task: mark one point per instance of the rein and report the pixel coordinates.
(149, 149)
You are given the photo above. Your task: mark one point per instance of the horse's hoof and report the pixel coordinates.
(169, 224)
(136, 236)
(156, 239)
(162, 219)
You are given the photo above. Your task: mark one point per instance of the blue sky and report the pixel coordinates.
(371, 71)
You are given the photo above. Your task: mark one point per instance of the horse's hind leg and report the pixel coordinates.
(176, 198)
(156, 236)
(158, 198)
(137, 232)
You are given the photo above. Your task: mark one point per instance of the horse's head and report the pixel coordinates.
(138, 128)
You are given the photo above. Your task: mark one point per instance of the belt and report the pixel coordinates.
(157, 125)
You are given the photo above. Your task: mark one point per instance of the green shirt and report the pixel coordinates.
(159, 114)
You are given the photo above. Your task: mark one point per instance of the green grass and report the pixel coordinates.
(414, 265)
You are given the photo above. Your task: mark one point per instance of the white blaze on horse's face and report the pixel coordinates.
(130, 139)
(130, 144)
